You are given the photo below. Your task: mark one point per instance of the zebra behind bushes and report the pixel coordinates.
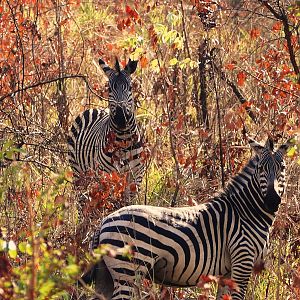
(110, 142)
(175, 246)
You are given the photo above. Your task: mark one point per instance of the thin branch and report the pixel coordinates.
(184, 30)
(271, 9)
(22, 59)
(235, 90)
(10, 160)
(269, 84)
(219, 128)
(86, 287)
(84, 77)
(203, 60)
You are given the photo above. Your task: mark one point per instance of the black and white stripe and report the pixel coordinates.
(175, 246)
(109, 141)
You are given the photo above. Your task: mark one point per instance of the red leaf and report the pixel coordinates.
(277, 26)
(241, 77)
(230, 66)
(254, 33)
(132, 12)
(133, 187)
(230, 283)
(226, 297)
(128, 9)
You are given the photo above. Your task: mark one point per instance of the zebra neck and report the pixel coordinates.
(244, 192)
(126, 133)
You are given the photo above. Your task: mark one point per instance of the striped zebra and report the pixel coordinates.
(175, 246)
(110, 142)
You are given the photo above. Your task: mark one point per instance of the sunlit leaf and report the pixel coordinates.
(72, 270)
(22, 247)
(292, 151)
(46, 288)
(3, 245)
(173, 61)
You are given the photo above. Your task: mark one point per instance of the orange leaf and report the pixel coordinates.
(143, 62)
(241, 77)
(230, 66)
(276, 26)
(254, 33)
(110, 46)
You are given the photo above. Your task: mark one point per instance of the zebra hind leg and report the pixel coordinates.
(104, 285)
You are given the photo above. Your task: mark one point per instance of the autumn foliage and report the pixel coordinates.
(209, 74)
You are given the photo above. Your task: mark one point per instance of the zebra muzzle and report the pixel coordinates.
(121, 117)
(272, 199)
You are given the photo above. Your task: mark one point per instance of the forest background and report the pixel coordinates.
(207, 71)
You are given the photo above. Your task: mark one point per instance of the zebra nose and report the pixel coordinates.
(120, 109)
(272, 199)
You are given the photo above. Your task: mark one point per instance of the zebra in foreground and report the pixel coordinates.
(109, 142)
(175, 246)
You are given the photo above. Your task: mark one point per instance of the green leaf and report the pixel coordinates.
(46, 288)
(72, 270)
(25, 248)
(22, 247)
(12, 253)
(173, 61)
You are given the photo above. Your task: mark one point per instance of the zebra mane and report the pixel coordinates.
(247, 170)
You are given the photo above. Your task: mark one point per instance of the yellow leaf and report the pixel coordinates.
(173, 61)
(292, 151)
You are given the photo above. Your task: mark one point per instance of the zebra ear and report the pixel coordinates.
(283, 148)
(107, 70)
(257, 148)
(117, 66)
(131, 66)
(269, 144)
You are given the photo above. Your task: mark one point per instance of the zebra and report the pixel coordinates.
(110, 142)
(176, 246)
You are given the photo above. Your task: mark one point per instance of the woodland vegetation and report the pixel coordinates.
(207, 71)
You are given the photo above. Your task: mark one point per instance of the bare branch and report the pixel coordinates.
(236, 91)
(83, 77)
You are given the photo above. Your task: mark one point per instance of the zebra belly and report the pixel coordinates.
(163, 273)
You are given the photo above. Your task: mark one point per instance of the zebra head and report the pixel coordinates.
(270, 172)
(121, 104)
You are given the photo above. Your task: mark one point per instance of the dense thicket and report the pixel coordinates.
(208, 72)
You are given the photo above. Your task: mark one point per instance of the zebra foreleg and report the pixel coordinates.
(241, 275)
